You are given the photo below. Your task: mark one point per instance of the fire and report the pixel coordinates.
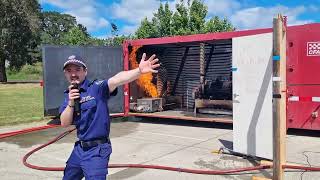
(145, 80)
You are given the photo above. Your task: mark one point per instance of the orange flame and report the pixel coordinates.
(145, 80)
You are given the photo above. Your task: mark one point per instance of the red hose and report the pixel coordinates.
(23, 131)
(25, 157)
(306, 168)
(194, 171)
(212, 172)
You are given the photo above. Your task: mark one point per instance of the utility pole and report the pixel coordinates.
(279, 97)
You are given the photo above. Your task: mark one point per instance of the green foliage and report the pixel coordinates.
(32, 69)
(20, 29)
(187, 19)
(180, 20)
(62, 29)
(75, 36)
(197, 12)
(217, 25)
(96, 42)
(55, 25)
(146, 30)
(27, 72)
(162, 20)
(83, 29)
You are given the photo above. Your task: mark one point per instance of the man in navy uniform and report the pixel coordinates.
(90, 155)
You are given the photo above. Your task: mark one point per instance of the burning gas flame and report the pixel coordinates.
(145, 80)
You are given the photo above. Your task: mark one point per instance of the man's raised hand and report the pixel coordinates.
(149, 65)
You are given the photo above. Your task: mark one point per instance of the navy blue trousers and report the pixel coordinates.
(90, 163)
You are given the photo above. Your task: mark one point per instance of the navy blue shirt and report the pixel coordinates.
(94, 120)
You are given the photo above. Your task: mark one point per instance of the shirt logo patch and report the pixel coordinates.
(99, 82)
(86, 98)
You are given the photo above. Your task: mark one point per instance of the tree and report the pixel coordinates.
(146, 30)
(217, 25)
(19, 33)
(3, 36)
(96, 41)
(117, 41)
(197, 14)
(114, 29)
(162, 20)
(56, 25)
(160, 25)
(180, 20)
(187, 19)
(75, 36)
(83, 29)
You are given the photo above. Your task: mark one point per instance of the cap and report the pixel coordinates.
(76, 60)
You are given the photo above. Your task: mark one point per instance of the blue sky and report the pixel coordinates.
(97, 15)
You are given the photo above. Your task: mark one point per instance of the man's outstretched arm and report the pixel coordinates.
(124, 77)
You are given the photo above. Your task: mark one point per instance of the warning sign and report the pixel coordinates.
(313, 49)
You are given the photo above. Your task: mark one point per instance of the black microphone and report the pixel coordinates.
(76, 101)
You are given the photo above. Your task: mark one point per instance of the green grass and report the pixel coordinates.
(20, 103)
(27, 72)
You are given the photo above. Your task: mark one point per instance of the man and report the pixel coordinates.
(90, 155)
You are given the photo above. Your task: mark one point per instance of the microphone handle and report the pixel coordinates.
(76, 101)
(77, 106)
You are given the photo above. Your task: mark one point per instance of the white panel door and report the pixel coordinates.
(252, 95)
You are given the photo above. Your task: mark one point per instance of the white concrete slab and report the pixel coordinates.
(160, 143)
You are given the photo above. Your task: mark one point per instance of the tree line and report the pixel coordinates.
(24, 28)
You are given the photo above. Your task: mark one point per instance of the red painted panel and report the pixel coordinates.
(303, 54)
(299, 114)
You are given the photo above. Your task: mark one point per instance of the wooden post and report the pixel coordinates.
(202, 68)
(279, 97)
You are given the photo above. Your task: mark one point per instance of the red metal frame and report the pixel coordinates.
(295, 55)
(197, 37)
(126, 86)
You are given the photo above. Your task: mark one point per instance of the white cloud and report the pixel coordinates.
(85, 11)
(126, 30)
(67, 4)
(133, 11)
(223, 8)
(261, 17)
(255, 17)
(103, 36)
(314, 8)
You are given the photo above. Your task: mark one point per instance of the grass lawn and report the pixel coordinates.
(20, 103)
